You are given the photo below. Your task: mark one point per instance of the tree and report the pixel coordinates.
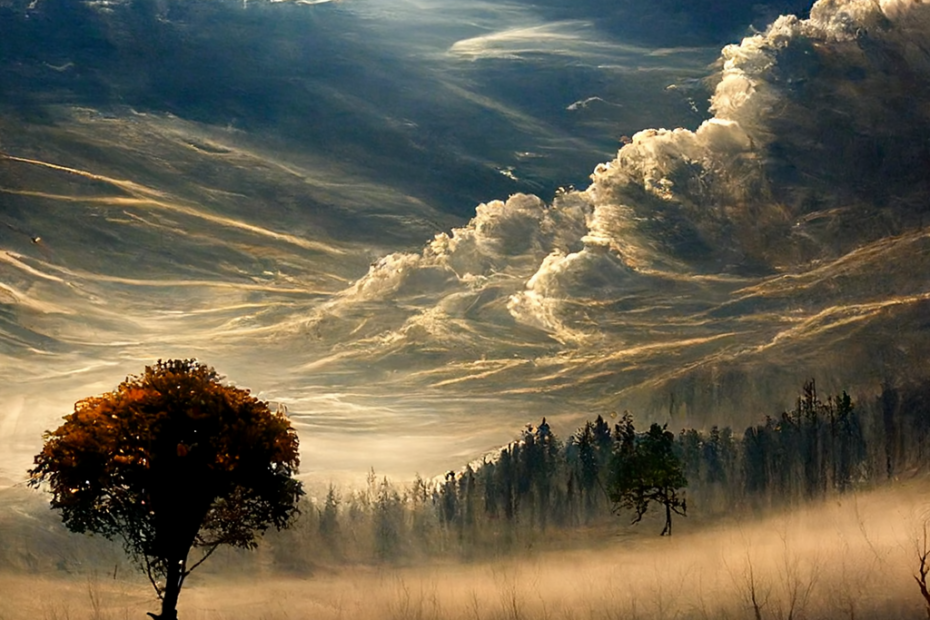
(329, 521)
(171, 460)
(388, 521)
(588, 468)
(646, 469)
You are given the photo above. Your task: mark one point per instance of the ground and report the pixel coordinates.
(844, 558)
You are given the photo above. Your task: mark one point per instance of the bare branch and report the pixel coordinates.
(150, 573)
(923, 553)
(202, 559)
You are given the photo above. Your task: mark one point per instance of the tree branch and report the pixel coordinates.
(149, 573)
(202, 559)
(923, 553)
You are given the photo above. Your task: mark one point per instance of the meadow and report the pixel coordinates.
(850, 557)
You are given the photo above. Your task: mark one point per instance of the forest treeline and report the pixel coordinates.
(544, 489)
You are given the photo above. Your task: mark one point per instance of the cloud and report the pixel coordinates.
(739, 197)
(809, 116)
(563, 283)
(563, 38)
(758, 236)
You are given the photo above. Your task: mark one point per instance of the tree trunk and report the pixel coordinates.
(178, 529)
(169, 602)
(667, 531)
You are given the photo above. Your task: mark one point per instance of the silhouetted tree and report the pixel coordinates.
(691, 446)
(507, 470)
(388, 521)
(810, 413)
(170, 460)
(646, 469)
(329, 521)
(850, 451)
(423, 521)
(756, 449)
(529, 464)
(714, 453)
(590, 449)
(888, 402)
(468, 509)
(491, 488)
(545, 475)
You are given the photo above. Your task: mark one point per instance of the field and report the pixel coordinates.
(849, 558)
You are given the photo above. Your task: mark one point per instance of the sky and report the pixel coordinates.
(421, 226)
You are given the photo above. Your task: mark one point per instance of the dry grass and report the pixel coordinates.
(852, 559)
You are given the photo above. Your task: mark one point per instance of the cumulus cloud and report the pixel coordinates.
(810, 122)
(468, 273)
(511, 236)
(810, 116)
(554, 299)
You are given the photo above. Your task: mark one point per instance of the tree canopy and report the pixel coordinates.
(646, 469)
(171, 460)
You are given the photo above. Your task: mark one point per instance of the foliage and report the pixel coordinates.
(645, 469)
(540, 490)
(172, 459)
(804, 453)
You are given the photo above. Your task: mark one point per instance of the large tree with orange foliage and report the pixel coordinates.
(172, 460)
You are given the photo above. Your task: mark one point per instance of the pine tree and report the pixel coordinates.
(388, 522)
(329, 521)
(645, 470)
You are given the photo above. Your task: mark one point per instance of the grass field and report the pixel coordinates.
(853, 559)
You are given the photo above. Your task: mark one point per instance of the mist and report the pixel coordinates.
(849, 558)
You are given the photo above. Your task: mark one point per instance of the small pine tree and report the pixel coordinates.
(645, 470)
(329, 521)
